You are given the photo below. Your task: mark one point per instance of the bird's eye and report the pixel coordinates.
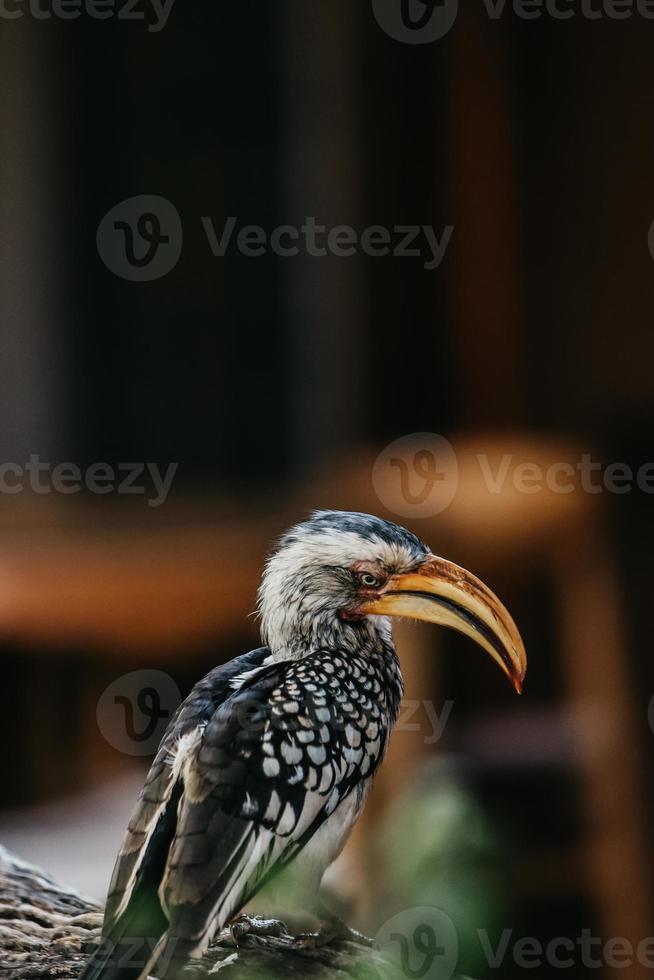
(369, 580)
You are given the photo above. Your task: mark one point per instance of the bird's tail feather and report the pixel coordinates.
(131, 948)
(123, 959)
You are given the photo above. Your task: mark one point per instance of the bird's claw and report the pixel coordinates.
(334, 930)
(354, 936)
(255, 925)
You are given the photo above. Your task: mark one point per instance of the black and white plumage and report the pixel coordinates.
(269, 760)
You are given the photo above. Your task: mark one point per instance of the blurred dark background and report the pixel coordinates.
(275, 382)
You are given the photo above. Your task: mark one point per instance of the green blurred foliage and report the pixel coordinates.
(435, 847)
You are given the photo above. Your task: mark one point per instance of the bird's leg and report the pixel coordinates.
(256, 925)
(332, 929)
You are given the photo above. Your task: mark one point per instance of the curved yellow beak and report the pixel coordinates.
(444, 593)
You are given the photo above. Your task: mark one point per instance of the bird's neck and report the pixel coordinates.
(369, 639)
(295, 637)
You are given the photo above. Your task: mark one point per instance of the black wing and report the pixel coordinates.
(246, 774)
(152, 824)
(273, 763)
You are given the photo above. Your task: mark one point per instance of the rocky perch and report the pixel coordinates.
(47, 931)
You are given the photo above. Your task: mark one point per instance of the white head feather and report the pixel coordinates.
(307, 581)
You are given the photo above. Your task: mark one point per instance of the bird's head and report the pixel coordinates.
(334, 579)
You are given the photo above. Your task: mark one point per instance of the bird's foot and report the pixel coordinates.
(334, 930)
(256, 925)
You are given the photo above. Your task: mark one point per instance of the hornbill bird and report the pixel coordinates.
(271, 757)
